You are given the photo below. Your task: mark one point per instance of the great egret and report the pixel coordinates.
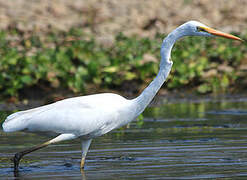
(87, 117)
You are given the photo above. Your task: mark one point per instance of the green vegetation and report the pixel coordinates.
(73, 61)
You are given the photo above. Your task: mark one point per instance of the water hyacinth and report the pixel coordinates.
(75, 61)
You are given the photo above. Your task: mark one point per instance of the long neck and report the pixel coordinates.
(142, 101)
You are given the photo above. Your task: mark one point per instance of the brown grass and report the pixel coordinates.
(105, 18)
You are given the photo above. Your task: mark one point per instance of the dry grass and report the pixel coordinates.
(108, 17)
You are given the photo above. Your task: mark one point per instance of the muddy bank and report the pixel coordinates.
(163, 97)
(107, 18)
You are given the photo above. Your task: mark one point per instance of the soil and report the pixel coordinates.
(105, 18)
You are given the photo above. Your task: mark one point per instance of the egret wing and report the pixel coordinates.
(86, 115)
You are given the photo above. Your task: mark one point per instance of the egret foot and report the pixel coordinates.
(85, 146)
(16, 161)
(83, 163)
(19, 155)
(83, 175)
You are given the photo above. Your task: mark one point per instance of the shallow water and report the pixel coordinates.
(178, 140)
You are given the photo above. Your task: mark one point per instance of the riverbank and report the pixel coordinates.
(107, 18)
(59, 49)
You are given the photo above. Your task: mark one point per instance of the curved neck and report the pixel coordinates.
(142, 101)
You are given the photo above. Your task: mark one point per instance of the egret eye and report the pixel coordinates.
(200, 29)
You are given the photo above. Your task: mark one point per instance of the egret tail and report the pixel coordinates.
(15, 122)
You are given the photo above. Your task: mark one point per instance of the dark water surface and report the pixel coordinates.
(178, 140)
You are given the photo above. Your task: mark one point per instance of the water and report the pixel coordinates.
(177, 140)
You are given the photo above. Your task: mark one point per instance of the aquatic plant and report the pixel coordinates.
(74, 61)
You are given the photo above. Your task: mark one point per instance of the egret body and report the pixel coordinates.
(87, 117)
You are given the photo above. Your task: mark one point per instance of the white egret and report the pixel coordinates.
(87, 117)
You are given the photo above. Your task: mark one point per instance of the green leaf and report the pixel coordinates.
(130, 76)
(111, 69)
(26, 79)
(224, 81)
(204, 88)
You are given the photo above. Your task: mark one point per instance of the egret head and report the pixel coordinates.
(194, 28)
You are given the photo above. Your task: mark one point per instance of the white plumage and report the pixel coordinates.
(90, 116)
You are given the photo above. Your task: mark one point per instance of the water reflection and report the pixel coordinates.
(20, 176)
(188, 140)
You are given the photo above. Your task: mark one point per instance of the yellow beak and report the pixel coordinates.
(219, 33)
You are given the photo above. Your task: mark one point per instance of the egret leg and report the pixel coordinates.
(85, 147)
(59, 138)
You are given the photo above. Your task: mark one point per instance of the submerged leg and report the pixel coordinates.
(59, 138)
(85, 147)
(19, 155)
